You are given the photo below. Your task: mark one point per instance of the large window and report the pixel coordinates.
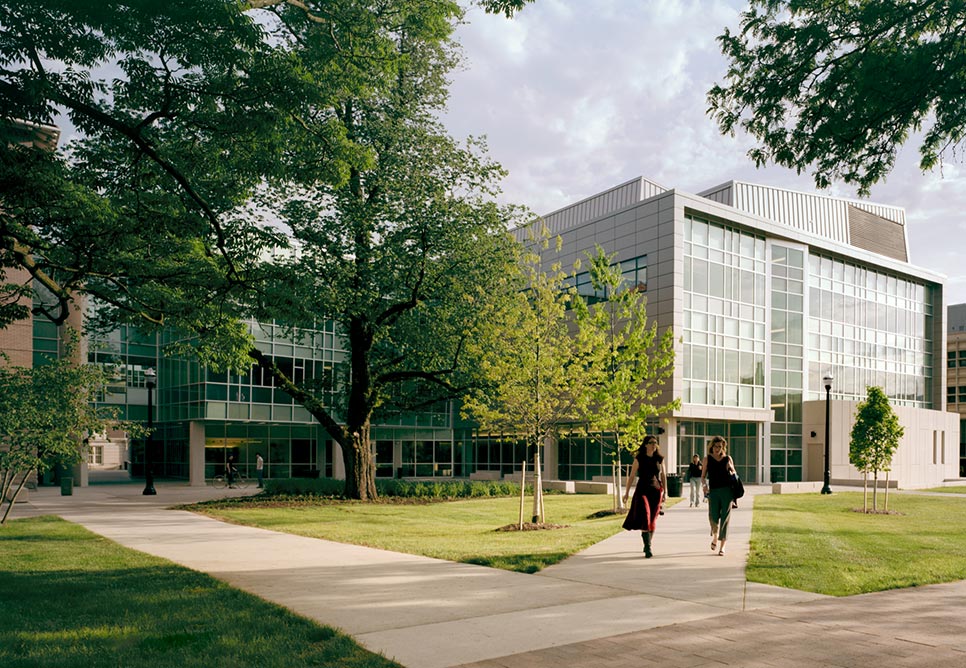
(633, 277)
(869, 328)
(742, 437)
(724, 315)
(787, 337)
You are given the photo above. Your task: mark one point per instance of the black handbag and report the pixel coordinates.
(737, 488)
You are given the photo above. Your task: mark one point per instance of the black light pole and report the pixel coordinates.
(828, 403)
(149, 379)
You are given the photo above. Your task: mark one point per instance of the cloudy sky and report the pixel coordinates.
(576, 97)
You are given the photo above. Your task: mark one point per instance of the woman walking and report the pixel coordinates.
(694, 477)
(648, 466)
(716, 482)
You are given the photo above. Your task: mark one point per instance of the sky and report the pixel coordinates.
(575, 97)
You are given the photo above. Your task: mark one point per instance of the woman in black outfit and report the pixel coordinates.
(648, 466)
(716, 481)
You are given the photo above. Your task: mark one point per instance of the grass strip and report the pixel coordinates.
(72, 598)
(819, 543)
(463, 531)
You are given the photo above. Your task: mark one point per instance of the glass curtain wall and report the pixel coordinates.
(724, 315)
(787, 361)
(869, 328)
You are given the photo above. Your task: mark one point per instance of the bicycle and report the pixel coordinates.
(220, 481)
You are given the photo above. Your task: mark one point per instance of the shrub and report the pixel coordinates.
(412, 489)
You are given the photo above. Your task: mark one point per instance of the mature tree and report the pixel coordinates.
(45, 412)
(540, 361)
(181, 110)
(228, 137)
(838, 87)
(630, 383)
(404, 252)
(875, 437)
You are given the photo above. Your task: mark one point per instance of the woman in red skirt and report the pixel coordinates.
(649, 495)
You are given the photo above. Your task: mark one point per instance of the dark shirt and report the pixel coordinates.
(649, 468)
(718, 475)
(694, 471)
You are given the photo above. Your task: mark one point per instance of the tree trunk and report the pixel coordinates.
(13, 499)
(537, 488)
(615, 496)
(875, 490)
(865, 491)
(360, 466)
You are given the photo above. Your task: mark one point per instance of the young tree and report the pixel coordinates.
(538, 361)
(840, 86)
(875, 437)
(631, 380)
(46, 412)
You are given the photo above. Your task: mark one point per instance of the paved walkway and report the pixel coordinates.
(606, 606)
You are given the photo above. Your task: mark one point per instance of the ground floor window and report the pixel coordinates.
(742, 437)
(504, 453)
(95, 455)
(288, 451)
(584, 456)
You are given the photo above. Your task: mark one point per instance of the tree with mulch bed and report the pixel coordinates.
(875, 438)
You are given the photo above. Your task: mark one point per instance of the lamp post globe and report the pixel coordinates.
(826, 489)
(150, 380)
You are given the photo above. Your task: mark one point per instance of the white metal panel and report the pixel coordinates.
(601, 204)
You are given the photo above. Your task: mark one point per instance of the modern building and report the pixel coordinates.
(770, 291)
(956, 374)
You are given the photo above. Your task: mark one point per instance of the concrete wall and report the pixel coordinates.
(928, 452)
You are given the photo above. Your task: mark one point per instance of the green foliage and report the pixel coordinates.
(182, 111)
(536, 367)
(72, 598)
(628, 383)
(282, 163)
(403, 253)
(406, 489)
(46, 412)
(875, 433)
(535, 364)
(840, 86)
(506, 7)
(875, 437)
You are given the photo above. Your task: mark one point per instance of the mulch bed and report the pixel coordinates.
(530, 526)
(877, 512)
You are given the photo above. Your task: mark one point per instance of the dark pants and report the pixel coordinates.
(719, 510)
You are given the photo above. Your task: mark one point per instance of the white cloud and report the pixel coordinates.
(578, 97)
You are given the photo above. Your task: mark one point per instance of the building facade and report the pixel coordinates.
(769, 291)
(956, 374)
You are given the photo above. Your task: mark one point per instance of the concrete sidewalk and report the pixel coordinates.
(604, 606)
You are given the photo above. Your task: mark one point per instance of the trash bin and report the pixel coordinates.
(673, 484)
(66, 486)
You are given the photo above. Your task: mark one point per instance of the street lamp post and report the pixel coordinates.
(149, 379)
(828, 403)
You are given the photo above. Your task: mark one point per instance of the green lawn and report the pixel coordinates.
(70, 598)
(817, 543)
(463, 531)
(959, 489)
